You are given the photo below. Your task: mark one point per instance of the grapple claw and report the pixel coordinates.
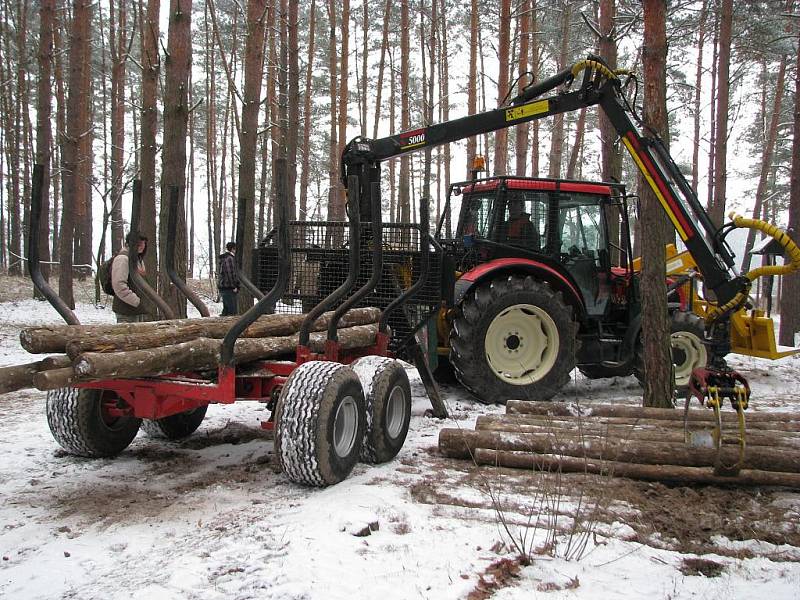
(711, 386)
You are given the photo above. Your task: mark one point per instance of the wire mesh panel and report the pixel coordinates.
(320, 264)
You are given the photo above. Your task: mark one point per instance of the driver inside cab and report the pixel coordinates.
(519, 229)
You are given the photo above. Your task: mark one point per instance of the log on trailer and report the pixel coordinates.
(54, 379)
(47, 339)
(203, 354)
(18, 377)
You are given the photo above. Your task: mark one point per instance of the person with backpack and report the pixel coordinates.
(228, 281)
(127, 305)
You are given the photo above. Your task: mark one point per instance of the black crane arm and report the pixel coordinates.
(600, 86)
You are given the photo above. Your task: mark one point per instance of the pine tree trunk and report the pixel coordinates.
(404, 192)
(253, 63)
(472, 90)
(717, 212)
(767, 153)
(292, 141)
(387, 13)
(44, 134)
(76, 128)
(655, 326)
(790, 290)
(173, 168)
(344, 76)
(151, 64)
(333, 145)
(523, 24)
(557, 138)
(610, 157)
(534, 28)
(83, 178)
(504, 43)
(305, 152)
(698, 87)
(118, 48)
(444, 78)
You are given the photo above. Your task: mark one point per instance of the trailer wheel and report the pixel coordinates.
(175, 427)
(388, 400)
(513, 338)
(319, 423)
(80, 422)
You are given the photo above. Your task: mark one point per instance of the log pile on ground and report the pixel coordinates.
(129, 350)
(629, 441)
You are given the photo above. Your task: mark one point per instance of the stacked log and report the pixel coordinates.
(130, 350)
(629, 441)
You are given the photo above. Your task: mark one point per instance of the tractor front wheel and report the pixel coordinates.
(514, 338)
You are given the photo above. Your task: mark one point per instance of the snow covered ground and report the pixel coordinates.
(211, 518)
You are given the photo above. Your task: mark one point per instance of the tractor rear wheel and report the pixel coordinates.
(175, 427)
(388, 396)
(600, 372)
(514, 338)
(688, 350)
(319, 423)
(83, 422)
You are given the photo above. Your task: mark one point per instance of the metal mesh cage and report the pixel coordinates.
(320, 263)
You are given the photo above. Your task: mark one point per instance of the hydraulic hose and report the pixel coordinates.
(791, 253)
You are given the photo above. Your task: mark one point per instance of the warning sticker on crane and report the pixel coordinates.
(527, 110)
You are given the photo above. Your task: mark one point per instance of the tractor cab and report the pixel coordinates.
(561, 224)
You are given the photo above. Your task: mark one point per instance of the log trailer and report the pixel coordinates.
(514, 317)
(331, 403)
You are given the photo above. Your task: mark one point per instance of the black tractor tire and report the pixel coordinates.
(79, 424)
(388, 399)
(601, 372)
(687, 332)
(319, 423)
(175, 427)
(513, 367)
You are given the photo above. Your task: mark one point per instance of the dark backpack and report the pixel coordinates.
(104, 276)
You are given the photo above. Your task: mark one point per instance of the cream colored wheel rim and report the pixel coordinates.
(521, 344)
(688, 353)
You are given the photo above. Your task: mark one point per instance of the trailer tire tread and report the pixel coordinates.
(75, 420)
(304, 423)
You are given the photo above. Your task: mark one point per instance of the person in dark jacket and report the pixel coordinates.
(228, 281)
(127, 305)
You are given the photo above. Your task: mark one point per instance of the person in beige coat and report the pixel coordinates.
(127, 305)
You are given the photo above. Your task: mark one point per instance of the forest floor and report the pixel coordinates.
(210, 517)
